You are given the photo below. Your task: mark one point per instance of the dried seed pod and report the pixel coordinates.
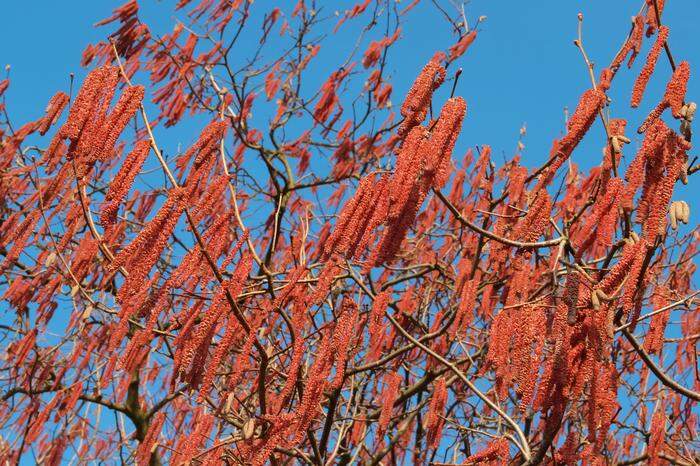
(248, 429)
(678, 207)
(602, 296)
(686, 130)
(50, 259)
(87, 312)
(673, 213)
(229, 402)
(684, 173)
(595, 302)
(610, 322)
(615, 142)
(633, 238)
(685, 212)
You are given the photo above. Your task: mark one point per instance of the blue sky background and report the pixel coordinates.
(523, 68)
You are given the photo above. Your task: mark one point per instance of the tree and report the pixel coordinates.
(330, 284)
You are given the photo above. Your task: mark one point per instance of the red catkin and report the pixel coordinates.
(495, 450)
(120, 185)
(150, 442)
(590, 103)
(143, 252)
(98, 85)
(460, 47)
(392, 382)
(656, 435)
(654, 340)
(434, 421)
(342, 338)
(442, 140)
(53, 111)
(417, 102)
(642, 80)
(123, 111)
(673, 96)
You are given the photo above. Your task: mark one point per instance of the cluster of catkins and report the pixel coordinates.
(393, 201)
(584, 321)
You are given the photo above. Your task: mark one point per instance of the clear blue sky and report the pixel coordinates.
(523, 68)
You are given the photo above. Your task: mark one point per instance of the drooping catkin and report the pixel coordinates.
(642, 80)
(298, 319)
(533, 225)
(496, 450)
(375, 215)
(195, 338)
(590, 103)
(409, 165)
(150, 442)
(673, 96)
(222, 349)
(99, 85)
(120, 185)
(599, 227)
(53, 111)
(499, 347)
(620, 270)
(527, 350)
(442, 140)
(203, 149)
(342, 339)
(655, 222)
(329, 99)
(415, 106)
(243, 363)
(350, 227)
(201, 340)
(654, 340)
(465, 308)
(583, 117)
(602, 403)
(19, 238)
(114, 124)
(636, 173)
(398, 227)
(392, 382)
(317, 382)
(434, 421)
(633, 44)
(375, 328)
(462, 45)
(657, 434)
(143, 252)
